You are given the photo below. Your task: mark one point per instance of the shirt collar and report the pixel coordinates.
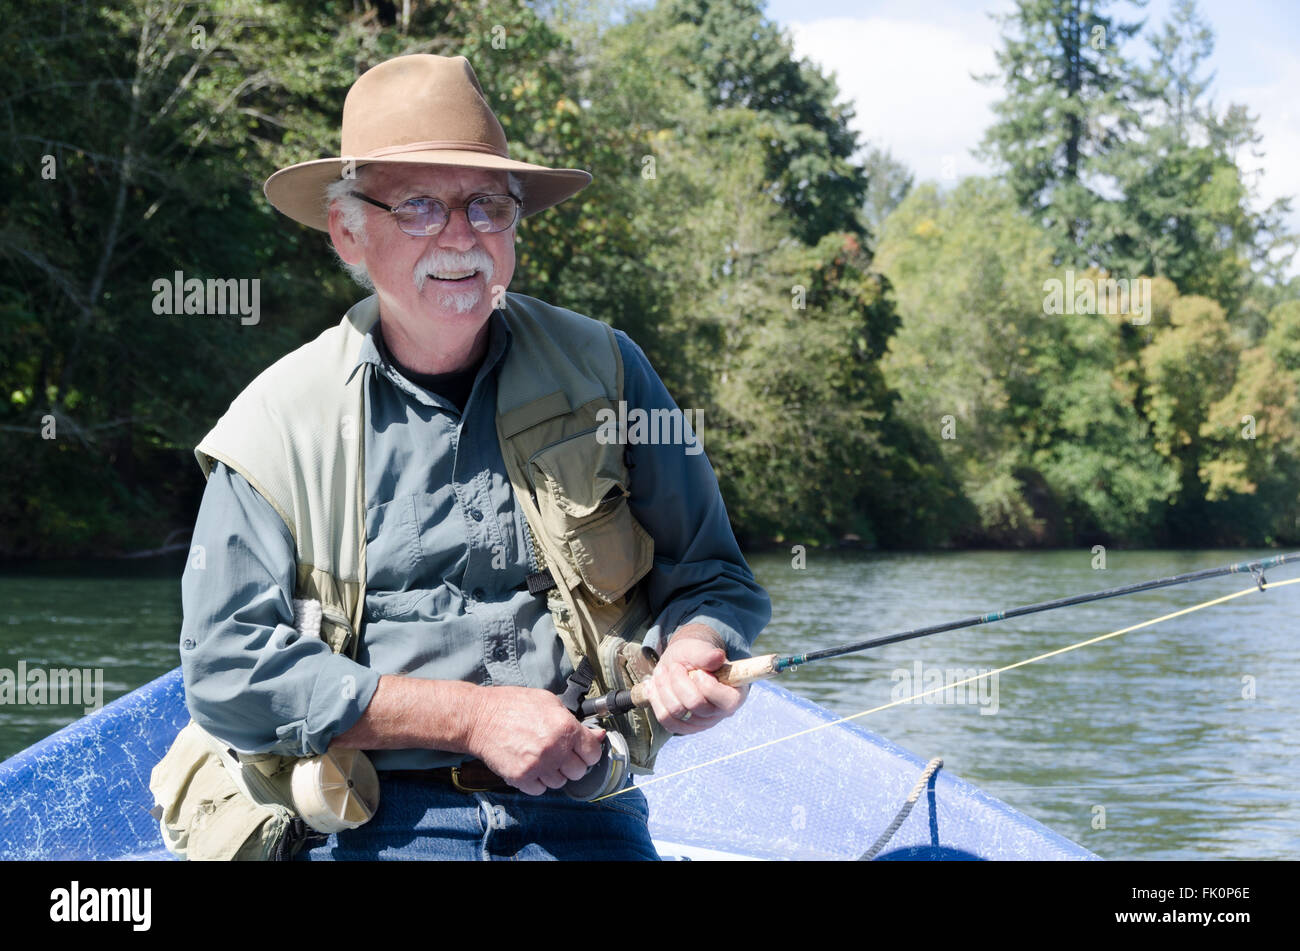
(498, 343)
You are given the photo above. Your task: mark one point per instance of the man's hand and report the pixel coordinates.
(530, 740)
(683, 684)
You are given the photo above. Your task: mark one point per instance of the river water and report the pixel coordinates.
(1176, 741)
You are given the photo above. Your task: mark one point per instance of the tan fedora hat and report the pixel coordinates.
(421, 110)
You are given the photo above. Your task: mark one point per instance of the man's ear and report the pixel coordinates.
(349, 247)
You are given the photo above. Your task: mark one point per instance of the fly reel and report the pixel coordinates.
(335, 791)
(609, 775)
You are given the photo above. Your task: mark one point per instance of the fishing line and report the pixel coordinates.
(745, 671)
(1255, 568)
(1261, 586)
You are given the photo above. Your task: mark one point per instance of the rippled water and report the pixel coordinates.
(1173, 741)
(122, 618)
(1150, 733)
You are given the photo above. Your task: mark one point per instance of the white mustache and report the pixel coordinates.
(442, 261)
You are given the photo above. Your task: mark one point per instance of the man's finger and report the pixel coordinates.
(670, 705)
(575, 767)
(662, 703)
(695, 653)
(589, 746)
(682, 727)
(684, 688)
(721, 696)
(553, 779)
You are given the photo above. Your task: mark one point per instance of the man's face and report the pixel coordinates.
(413, 276)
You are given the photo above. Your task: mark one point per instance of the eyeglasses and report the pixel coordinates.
(424, 216)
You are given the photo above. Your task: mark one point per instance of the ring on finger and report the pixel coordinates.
(684, 716)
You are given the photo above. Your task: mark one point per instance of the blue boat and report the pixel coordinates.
(826, 794)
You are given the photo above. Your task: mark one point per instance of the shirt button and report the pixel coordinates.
(476, 515)
(188, 644)
(500, 654)
(478, 594)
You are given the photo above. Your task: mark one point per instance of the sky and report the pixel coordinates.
(906, 67)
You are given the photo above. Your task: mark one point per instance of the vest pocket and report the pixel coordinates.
(612, 552)
(203, 814)
(582, 490)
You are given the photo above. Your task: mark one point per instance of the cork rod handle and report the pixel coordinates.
(734, 674)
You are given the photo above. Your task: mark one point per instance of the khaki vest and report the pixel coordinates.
(296, 434)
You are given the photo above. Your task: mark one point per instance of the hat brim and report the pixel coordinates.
(299, 190)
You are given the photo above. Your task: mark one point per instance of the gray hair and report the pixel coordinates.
(353, 212)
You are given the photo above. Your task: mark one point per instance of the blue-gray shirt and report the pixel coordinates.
(446, 557)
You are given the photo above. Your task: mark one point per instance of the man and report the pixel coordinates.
(483, 573)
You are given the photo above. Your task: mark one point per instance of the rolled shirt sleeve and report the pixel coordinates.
(251, 679)
(699, 575)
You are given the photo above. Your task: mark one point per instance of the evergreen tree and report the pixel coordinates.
(1070, 98)
(1186, 210)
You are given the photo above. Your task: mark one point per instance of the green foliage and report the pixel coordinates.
(777, 340)
(1182, 431)
(888, 182)
(1023, 403)
(736, 59)
(726, 230)
(132, 132)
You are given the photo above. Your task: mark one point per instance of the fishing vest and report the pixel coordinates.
(297, 435)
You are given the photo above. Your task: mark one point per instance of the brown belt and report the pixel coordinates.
(469, 777)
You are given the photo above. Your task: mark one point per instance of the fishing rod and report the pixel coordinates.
(737, 673)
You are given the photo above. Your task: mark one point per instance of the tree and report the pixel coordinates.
(1250, 462)
(1023, 403)
(1069, 101)
(737, 59)
(131, 127)
(888, 183)
(1186, 209)
(777, 340)
(159, 120)
(1184, 43)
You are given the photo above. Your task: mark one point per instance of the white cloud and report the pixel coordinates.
(911, 85)
(1279, 123)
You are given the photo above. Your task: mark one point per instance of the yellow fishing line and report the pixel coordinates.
(915, 697)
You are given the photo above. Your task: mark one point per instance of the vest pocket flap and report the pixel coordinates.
(234, 828)
(179, 770)
(524, 417)
(612, 553)
(580, 474)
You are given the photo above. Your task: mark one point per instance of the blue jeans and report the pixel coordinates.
(418, 820)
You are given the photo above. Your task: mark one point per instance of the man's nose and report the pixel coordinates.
(458, 232)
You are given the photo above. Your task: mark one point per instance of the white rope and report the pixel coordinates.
(930, 769)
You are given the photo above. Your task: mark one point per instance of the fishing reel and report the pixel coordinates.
(336, 790)
(610, 773)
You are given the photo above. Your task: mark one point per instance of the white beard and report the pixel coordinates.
(462, 302)
(445, 262)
